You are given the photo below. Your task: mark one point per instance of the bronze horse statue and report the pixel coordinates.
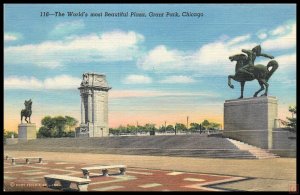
(261, 73)
(27, 111)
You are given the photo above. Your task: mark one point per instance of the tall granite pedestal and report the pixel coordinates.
(26, 131)
(251, 120)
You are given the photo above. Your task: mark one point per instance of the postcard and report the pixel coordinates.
(150, 97)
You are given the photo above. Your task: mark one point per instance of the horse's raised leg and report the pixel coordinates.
(21, 118)
(229, 81)
(261, 88)
(26, 119)
(242, 89)
(267, 86)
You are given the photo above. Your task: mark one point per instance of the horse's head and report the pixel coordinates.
(238, 57)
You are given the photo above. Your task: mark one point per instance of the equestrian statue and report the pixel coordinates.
(245, 70)
(27, 111)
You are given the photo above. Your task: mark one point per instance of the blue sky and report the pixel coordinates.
(160, 68)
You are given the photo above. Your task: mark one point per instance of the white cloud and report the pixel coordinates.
(109, 46)
(288, 60)
(284, 61)
(62, 82)
(210, 58)
(66, 28)
(161, 58)
(8, 37)
(31, 83)
(137, 79)
(238, 39)
(285, 40)
(26, 83)
(216, 54)
(278, 31)
(11, 36)
(262, 35)
(178, 79)
(282, 29)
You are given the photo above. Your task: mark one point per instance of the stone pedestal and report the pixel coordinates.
(26, 131)
(251, 120)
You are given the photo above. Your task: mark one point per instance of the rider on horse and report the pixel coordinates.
(252, 54)
(27, 111)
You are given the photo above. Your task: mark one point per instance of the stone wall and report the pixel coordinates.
(284, 143)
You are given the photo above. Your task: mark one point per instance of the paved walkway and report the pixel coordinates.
(277, 174)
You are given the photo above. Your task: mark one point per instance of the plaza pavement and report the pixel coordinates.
(277, 174)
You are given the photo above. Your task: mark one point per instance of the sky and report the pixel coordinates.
(161, 69)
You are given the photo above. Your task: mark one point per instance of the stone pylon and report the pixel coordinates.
(94, 105)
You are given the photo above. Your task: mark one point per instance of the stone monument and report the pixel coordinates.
(251, 120)
(26, 131)
(94, 106)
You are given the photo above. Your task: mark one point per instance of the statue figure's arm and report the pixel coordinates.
(266, 56)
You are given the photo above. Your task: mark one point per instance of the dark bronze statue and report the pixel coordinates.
(27, 111)
(245, 70)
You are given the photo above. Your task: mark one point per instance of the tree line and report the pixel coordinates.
(178, 127)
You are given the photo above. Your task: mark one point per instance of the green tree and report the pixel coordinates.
(122, 129)
(8, 134)
(141, 129)
(292, 121)
(131, 129)
(60, 125)
(57, 126)
(47, 129)
(71, 122)
(47, 122)
(161, 129)
(214, 126)
(194, 127)
(205, 124)
(180, 127)
(45, 132)
(170, 128)
(112, 131)
(149, 127)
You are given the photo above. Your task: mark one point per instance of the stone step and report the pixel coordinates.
(258, 152)
(183, 145)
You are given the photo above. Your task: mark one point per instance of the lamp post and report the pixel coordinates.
(187, 124)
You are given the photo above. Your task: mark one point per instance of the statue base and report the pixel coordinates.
(26, 131)
(251, 120)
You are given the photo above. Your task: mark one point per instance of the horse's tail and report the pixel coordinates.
(274, 65)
